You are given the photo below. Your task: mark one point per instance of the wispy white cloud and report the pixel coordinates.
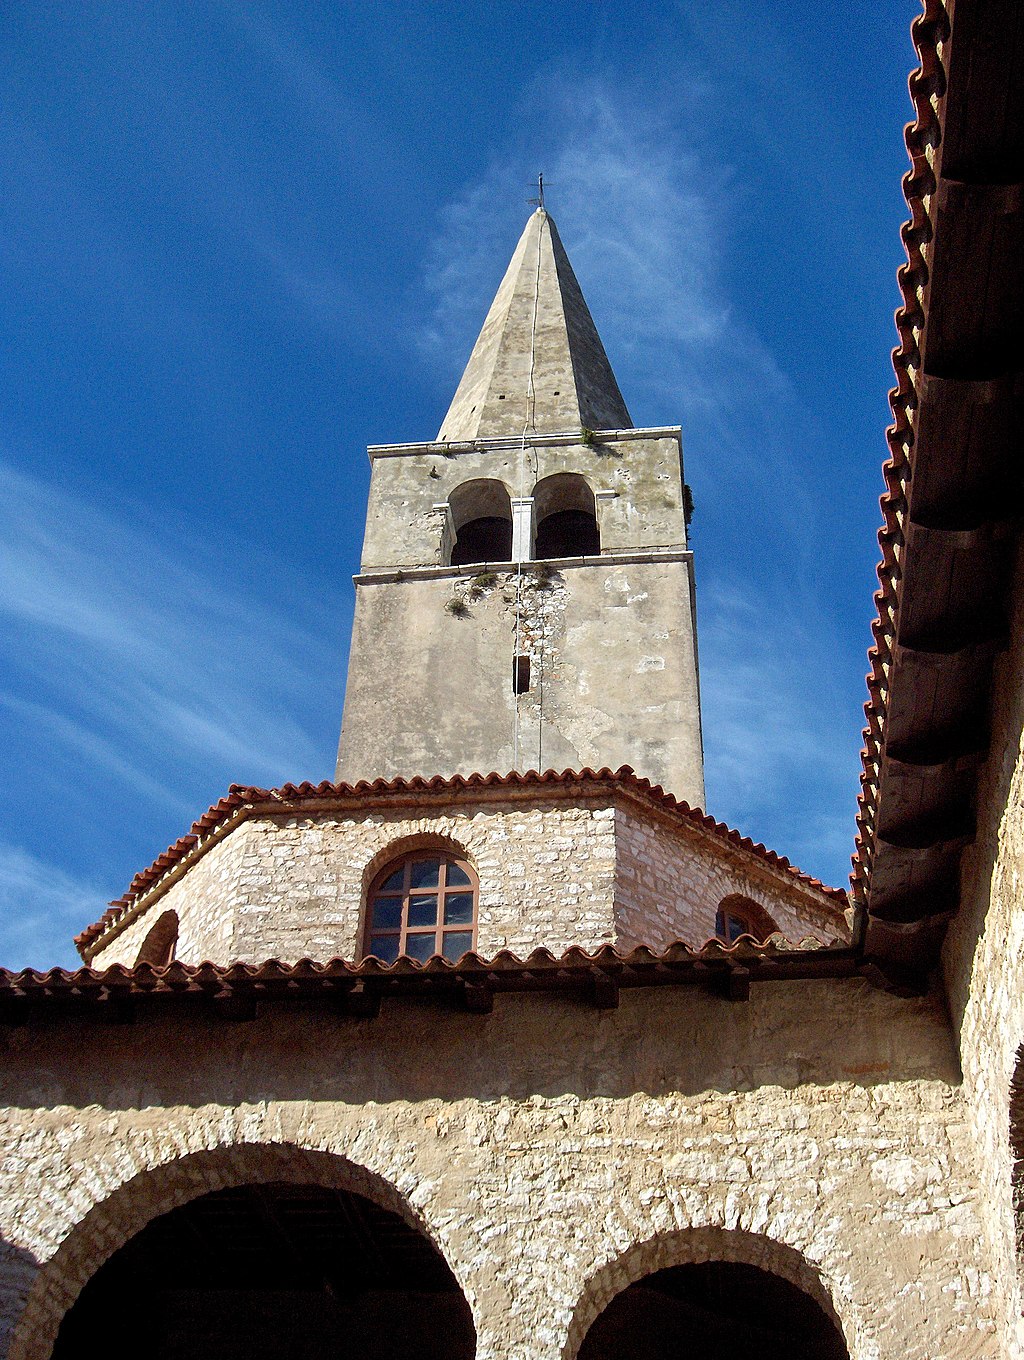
(41, 909)
(146, 662)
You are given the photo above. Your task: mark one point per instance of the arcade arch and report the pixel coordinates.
(256, 1251)
(721, 1294)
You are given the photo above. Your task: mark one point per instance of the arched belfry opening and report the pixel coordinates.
(278, 1270)
(566, 517)
(718, 1310)
(481, 512)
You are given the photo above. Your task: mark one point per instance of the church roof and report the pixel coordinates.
(538, 363)
(242, 801)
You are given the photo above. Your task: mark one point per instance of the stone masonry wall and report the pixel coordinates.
(555, 1153)
(297, 884)
(613, 682)
(984, 967)
(554, 874)
(206, 900)
(669, 886)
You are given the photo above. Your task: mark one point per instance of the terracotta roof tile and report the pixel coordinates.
(927, 84)
(309, 980)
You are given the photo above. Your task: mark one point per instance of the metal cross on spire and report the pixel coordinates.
(538, 202)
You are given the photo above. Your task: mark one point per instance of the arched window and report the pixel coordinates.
(482, 516)
(159, 945)
(738, 916)
(420, 905)
(566, 517)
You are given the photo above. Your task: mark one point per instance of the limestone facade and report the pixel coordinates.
(984, 966)
(553, 1152)
(598, 867)
(611, 636)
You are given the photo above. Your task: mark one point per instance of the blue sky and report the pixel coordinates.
(239, 242)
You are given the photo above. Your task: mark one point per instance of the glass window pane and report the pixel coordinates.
(458, 909)
(385, 947)
(423, 910)
(423, 874)
(387, 913)
(393, 883)
(735, 927)
(420, 947)
(457, 878)
(457, 943)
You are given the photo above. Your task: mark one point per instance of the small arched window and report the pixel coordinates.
(738, 916)
(482, 518)
(566, 517)
(420, 905)
(159, 945)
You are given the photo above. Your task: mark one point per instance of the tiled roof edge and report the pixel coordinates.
(241, 797)
(639, 965)
(927, 86)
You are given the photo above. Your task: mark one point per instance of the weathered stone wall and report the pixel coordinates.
(613, 675)
(207, 900)
(552, 873)
(668, 887)
(296, 886)
(553, 1152)
(984, 966)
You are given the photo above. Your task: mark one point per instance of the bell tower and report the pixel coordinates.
(525, 598)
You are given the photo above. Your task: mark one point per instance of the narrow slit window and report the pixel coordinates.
(520, 674)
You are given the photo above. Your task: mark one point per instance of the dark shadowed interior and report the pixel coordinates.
(273, 1270)
(568, 533)
(718, 1310)
(488, 539)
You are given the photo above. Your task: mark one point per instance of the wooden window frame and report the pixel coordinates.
(756, 921)
(442, 890)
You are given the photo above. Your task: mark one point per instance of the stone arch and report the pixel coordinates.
(481, 511)
(113, 1221)
(566, 517)
(161, 941)
(696, 1246)
(751, 916)
(405, 845)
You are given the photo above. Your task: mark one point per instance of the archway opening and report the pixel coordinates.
(482, 517)
(738, 915)
(718, 1310)
(273, 1270)
(160, 943)
(566, 517)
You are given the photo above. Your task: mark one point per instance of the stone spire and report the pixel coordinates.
(538, 363)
